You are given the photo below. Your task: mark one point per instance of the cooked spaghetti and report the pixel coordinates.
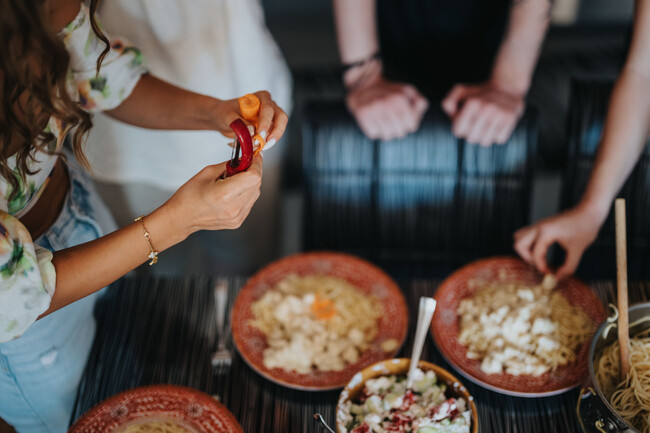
(155, 427)
(630, 398)
(316, 321)
(521, 329)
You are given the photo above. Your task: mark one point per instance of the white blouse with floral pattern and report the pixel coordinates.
(27, 276)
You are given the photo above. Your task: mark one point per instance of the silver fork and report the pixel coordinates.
(319, 417)
(222, 358)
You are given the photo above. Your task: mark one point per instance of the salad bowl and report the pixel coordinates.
(395, 370)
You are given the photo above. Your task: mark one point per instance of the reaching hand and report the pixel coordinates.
(272, 121)
(574, 230)
(207, 202)
(386, 110)
(483, 114)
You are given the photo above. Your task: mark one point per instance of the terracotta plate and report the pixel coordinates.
(192, 410)
(369, 279)
(445, 328)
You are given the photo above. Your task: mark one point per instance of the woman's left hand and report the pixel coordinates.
(483, 114)
(271, 124)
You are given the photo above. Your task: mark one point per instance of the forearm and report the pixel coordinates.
(626, 127)
(624, 138)
(517, 56)
(156, 104)
(86, 268)
(356, 29)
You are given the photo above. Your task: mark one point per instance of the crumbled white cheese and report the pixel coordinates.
(543, 326)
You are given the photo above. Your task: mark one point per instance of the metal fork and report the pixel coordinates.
(318, 417)
(222, 358)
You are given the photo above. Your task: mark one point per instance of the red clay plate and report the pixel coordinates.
(191, 409)
(444, 328)
(369, 279)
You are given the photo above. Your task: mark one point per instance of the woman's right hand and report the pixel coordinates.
(207, 202)
(386, 110)
(574, 230)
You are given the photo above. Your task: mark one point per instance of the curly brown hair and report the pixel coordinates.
(33, 70)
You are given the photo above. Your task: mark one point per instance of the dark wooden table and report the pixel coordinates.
(162, 331)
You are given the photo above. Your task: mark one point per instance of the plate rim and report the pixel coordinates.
(314, 255)
(74, 428)
(533, 394)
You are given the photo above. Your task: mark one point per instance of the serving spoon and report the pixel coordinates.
(621, 278)
(425, 313)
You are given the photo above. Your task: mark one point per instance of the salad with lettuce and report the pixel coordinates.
(386, 406)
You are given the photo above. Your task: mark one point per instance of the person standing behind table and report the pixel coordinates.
(397, 54)
(217, 47)
(53, 253)
(625, 134)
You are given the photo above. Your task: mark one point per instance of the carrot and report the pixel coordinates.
(259, 138)
(323, 308)
(249, 107)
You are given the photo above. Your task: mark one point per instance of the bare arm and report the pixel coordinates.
(203, 203)
(356, 29)
(624, 137)
(488, 113)
(156, 104)
(628, 121)
(518, 53)
(383, 109)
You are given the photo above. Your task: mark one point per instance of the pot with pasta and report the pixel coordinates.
(611, 405)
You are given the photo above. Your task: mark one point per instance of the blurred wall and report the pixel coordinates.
(605, 11)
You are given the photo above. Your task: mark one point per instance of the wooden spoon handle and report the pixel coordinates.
(621, 272)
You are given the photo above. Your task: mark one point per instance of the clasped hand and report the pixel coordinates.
(483, 114)
(385, 109)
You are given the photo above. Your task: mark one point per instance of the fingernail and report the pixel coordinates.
(251, 129)
(263, 134)
(270, 143)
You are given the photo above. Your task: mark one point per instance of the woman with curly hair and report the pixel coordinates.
(56, 64)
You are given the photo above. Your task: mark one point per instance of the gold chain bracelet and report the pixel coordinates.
(153, 254)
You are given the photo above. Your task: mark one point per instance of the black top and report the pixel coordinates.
(435, 44)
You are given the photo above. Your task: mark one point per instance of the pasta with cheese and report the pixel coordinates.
(521, 329)
(316, 321)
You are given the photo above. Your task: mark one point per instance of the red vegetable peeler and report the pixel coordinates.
(243, 143)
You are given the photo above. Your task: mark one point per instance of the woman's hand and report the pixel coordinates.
(483, 114)
(385, 109)
(574, 230)
(207, 202)
(272, 119)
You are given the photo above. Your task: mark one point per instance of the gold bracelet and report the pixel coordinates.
(153, 254)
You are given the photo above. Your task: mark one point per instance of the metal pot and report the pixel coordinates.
(595, 413)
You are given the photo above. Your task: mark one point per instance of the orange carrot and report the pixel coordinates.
(323, 308)
(259, 138)
(249, 106)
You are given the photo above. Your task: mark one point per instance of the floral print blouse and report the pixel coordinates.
(27, 276)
